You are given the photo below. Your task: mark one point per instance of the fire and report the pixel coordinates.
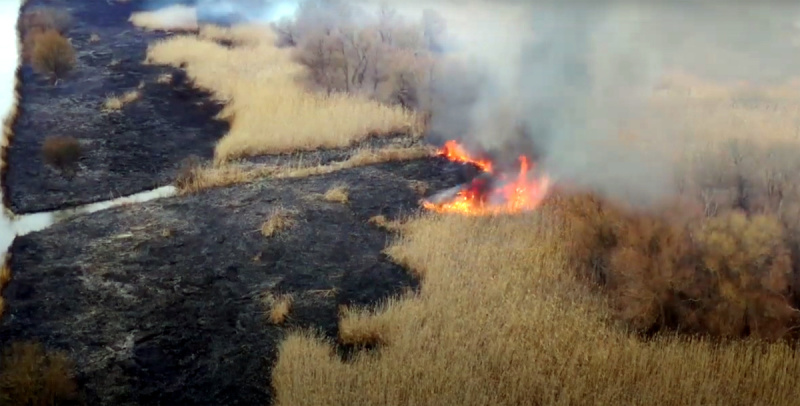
(492, 193)
(453, 151)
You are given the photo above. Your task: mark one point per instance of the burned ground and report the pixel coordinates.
(124, 152)
(160, 303)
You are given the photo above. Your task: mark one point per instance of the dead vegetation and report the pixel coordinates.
(263, 78)
(61, 152)
(337, 194)
(278, 307)
(279, 219)
(195, 176)
(32, 376)
(5, 278)
(501, 320)
(53, 54)
(116, 103)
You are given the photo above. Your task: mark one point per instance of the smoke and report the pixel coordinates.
(568, 82)
(568, 79)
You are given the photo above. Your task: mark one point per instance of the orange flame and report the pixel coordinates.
(513, 195)
(453, 151)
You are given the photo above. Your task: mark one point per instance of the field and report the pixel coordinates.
(296, 267)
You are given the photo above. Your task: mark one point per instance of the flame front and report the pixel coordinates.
(506, 195)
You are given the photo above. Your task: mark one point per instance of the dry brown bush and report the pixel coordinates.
(389, 59)
(279, 219)
(31, 376)
(52, 54)
(337, 193)
(38, 21)
(726, 276)
(61, 152)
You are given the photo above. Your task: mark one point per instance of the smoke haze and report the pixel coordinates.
(566, 79)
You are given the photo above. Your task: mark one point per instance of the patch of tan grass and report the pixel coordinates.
(338, 194)
(94, 38)
(279, 307)
(30, 375)
(200, 177)
(171, 18)
(116, 103)
(269, 110)
(501, 320)
(279, 219)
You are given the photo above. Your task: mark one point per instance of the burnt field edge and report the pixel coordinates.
(11, 118)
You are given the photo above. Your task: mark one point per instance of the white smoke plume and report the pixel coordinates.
(563, 80)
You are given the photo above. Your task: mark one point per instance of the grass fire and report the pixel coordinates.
(490, 193)
(384, 202)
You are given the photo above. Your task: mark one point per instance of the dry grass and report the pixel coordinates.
(279, 219)
(338, 194)
(279, 307)
(172, 18)
(195, 178)
(116, 103)
(31, 376)
(269, 110)
(501, 320)
(94, 38)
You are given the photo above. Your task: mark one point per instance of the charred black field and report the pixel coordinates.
(164, 302)
(161, 303)
(123, 152)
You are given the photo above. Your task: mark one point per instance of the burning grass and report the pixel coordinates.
(502, 320)
(269, 110)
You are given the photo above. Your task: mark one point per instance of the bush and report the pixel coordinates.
(52, 54)
(30, 376)
(38, 21)
(725, 276)
(61, 152)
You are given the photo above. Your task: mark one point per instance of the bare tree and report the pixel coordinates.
(434, 27)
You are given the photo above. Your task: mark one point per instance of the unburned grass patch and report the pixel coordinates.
(278, 307)
(278, 220)
(116, 103)
(338, 193)
(269, 111)
(501, 319)
(33, 376)
(195, 177)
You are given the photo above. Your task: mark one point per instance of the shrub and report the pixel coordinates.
(53, 54)
(30, 376)
(61, 152)
(726, 276)
(38, 21)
